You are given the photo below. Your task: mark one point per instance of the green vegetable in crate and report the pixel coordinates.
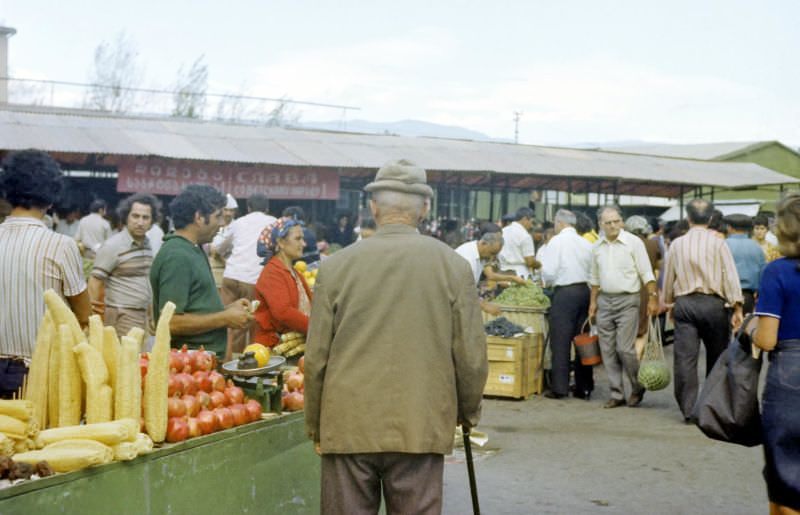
(527, 295)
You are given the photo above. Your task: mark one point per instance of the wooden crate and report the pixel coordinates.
(535, 318)
(514, 366)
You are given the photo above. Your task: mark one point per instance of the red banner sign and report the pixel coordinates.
(169, 177)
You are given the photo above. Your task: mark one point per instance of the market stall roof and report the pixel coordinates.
(82, 132)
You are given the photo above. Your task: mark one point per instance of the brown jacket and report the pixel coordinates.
(396, 351)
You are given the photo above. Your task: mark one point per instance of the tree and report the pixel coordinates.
(283, 114)
(190, 90)
(116, 71)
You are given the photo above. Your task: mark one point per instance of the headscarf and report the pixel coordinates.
(277, 230)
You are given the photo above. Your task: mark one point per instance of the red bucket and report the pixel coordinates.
(587, 346)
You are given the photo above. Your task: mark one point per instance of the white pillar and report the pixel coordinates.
(5, 33)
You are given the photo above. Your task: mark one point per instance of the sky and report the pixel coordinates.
(578, 70)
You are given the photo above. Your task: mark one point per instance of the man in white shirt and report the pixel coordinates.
(566, 267)
(518, 252)
(243, 266)
(479, 253)
(619, 268)
(93, 228)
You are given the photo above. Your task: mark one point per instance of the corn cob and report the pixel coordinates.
(79, 443)
(288, 345)
(128, 393)
(19, 409)
(111, 354)
(156, 380)
(13, 428)
(22, 445)
(125, 451)
(53, 372)
(37, 391)
(6, 445)
(99, 404)
(63, 315)
(92, 366)
(137, 333)
(285, 337)
(96, 333)
(69, 381)
(296, 351)
(144, 443)
(67, 459)
(109, 433)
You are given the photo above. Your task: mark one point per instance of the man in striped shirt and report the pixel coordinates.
(32, 259)
(700, 277)
(120, 282)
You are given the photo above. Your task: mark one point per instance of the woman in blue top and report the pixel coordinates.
(778, 331)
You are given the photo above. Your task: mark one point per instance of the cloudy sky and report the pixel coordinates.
(579, 71)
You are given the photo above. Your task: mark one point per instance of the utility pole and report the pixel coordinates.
(517, 116)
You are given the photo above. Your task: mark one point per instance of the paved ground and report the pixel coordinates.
(571, 456)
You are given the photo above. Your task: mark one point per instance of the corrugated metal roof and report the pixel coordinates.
(704, 151)
(78, 131)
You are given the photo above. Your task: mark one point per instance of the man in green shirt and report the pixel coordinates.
(180, 273)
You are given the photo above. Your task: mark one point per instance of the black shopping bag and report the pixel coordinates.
(727, 408)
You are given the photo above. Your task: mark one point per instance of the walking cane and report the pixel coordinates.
(473, 488)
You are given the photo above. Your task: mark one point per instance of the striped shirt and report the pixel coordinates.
(701, 262)
(32, 260)
(124, 266)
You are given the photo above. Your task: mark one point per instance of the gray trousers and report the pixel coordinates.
(411, 483)
(617, 323)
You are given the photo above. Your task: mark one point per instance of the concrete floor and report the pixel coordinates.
(571, 456)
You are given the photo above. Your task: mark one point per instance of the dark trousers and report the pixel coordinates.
(411, 483)
(697, 317)
(12, 374)
(568, 312)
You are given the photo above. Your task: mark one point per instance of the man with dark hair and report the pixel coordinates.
(180, 273)
(93, 230)
(32, 259)
(119, 284)
(700, 278)
(243, 266)
(761, 235)
(379, 436)
(748, 257)
(69, 218)
(518, 252)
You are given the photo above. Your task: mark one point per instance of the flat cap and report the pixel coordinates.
(403, 176)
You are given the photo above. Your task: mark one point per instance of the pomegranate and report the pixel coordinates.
(194, 427)
(294, 401)
(175, 386)
(218, 399)
(217, 381)
(207, 422)
(301, 364)
(175, 363)
(234, 394)
(294, 382)
(192, 405)
(253, 410)
(175, 407)
(204, 399)
(224, 418)
(201, 360)
(239, 414)
(177, 429)
(189, 384)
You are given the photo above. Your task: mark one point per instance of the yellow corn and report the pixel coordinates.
(111, 354)
(22, 445)
(157, 378)
(108, 433)
(53, 372)
(99, 404)
(67, 459)
(63, 315)
(79, 443)
(96, 332)
(296, 351)
(128, 392)
(37, 390)
(6, 445)
(288, 345)
(69, 381)
(137, 333)
(13, 428)
(19, 409)
(92, 366)
(144, 443)
(125, 451)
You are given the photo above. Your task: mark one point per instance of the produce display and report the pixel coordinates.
(523, 295)
(310, 275)
(501, 326)
(292, 344)
(292, 396)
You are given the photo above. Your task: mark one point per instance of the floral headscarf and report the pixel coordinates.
(279, 229)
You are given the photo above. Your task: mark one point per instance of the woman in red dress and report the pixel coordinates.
(284, 296)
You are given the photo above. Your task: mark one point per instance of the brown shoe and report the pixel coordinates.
(614, 403)
(635, 399)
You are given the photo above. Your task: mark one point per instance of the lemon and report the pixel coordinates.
(300, 266)
(261, 353)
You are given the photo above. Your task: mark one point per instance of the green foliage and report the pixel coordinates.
(527, 295)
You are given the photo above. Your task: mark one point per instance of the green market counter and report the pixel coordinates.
(263, 467)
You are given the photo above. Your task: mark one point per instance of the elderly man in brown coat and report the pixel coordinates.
(396, 356)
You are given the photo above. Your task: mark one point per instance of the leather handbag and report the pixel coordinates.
(727, 408)
(587, 346)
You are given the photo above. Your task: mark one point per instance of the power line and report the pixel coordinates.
(190, 93)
